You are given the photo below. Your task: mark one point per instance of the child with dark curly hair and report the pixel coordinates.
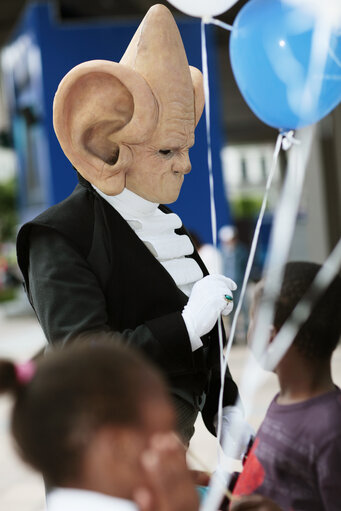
(96, 420)
(296, 458)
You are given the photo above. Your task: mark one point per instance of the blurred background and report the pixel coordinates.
(39, 43)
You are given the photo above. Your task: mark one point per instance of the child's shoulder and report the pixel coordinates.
(323, 416)
(331, 406)
(331, 401)
(316, 418)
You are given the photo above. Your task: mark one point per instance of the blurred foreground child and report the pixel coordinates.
(296, 457)
(96, 421)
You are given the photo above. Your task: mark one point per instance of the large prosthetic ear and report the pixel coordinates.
(100, 108)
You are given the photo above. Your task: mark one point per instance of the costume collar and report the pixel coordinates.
(129, 203)
(70, 499)
(156, 230)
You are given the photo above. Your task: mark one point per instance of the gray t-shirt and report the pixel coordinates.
(296, 457)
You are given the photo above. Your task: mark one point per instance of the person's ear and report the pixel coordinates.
(199, 95)
(100, 108)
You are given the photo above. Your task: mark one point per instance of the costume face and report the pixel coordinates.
(159, 168)
(132, 123)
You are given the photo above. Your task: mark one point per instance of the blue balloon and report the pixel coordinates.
(270, 49)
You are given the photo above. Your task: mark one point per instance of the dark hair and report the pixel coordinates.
(74, 392)
(8, 377)
(319, 335)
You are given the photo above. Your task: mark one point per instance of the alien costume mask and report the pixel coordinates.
(131, 124)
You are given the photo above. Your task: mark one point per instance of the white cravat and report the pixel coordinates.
(69, 499)
(157, 231)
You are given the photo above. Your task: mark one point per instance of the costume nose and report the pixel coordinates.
(184, 164)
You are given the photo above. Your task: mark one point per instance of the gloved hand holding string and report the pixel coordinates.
(210, 297)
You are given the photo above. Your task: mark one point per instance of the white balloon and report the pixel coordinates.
(202, 8)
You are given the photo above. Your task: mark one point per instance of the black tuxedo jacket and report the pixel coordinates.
(85, 270)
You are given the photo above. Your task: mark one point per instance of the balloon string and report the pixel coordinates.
(246, 277)
(208, 133)
(333, 55)
(190, 453)
(214, 21)
(211, 187)
(289, 139)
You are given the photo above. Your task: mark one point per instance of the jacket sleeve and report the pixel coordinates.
(69, 303)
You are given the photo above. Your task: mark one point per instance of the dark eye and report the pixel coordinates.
(165, 151)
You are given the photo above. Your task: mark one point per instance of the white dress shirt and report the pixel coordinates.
(69, 499)
(157, 231)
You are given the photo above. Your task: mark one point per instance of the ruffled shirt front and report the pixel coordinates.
(156, 230)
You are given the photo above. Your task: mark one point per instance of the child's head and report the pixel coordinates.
(319, 335)
(74, 394)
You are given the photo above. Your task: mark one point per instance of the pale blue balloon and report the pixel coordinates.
(270, 50)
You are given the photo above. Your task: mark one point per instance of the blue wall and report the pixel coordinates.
(60, 47)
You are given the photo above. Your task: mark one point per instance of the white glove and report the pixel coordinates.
(205, 304)
(236, 433)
